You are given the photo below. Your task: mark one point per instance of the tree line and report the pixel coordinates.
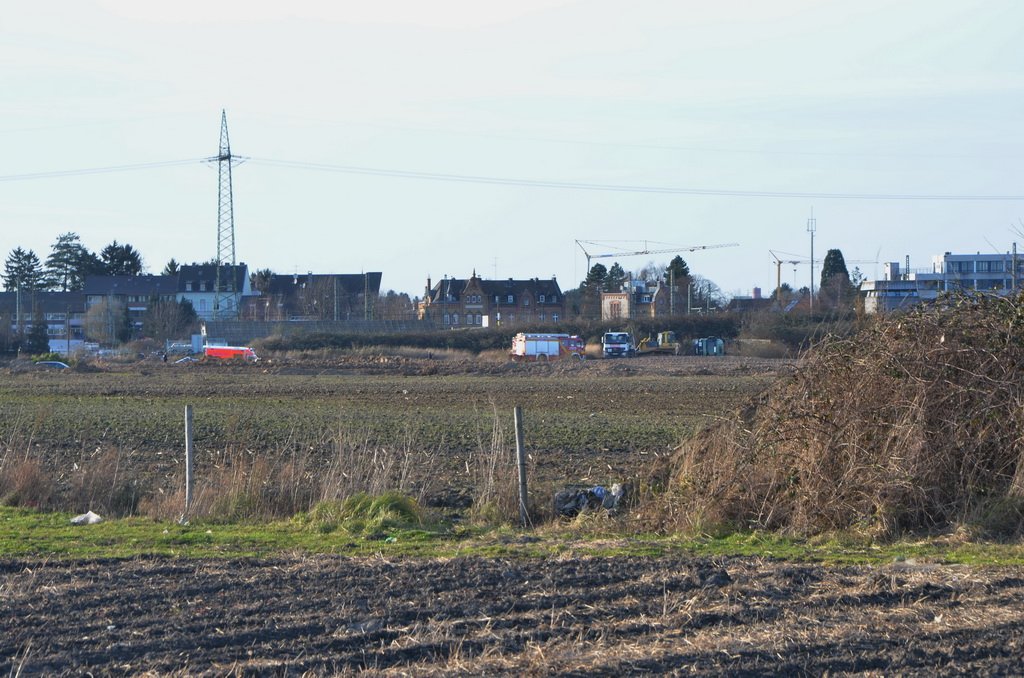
(67, 265)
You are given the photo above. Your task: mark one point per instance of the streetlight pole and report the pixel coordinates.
(812, 226)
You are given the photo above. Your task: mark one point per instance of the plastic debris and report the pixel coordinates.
(575, 499)
(87, 518)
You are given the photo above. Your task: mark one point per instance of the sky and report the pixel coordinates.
(431, 139)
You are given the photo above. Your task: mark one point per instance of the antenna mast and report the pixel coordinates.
(224, 299)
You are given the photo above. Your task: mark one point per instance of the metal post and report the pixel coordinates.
(189, 479)
(521, 459)
(812, 226)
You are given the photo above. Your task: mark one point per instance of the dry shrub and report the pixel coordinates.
(23, 482)
(914, 424)
(359, 465)
(494, 469)
(244, 485)
(101, 484)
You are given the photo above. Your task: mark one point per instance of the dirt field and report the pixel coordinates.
(326, 615)
(599, 421)
(323, 615)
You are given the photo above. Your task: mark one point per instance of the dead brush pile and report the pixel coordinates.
(915, 424)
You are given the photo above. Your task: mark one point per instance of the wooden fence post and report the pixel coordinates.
(188, 462)
(524, 515)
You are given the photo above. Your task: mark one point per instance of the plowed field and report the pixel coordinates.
(611, 616)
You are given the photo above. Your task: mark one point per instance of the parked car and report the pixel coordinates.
(52, 365)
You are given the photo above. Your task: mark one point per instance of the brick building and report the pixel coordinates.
(475, 302)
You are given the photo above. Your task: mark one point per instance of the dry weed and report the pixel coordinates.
(916, 423)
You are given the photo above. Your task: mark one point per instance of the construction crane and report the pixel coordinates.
(796, 262)
(644, 251)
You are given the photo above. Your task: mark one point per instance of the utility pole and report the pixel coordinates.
(1014, 264)
(672, 291)
(812, 226)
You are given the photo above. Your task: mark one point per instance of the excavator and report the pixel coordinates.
(662, 342)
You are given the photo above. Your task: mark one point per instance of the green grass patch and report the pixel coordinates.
(381, 526)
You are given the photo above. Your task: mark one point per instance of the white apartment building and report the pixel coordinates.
(993, 273)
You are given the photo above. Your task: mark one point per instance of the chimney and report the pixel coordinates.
(757, 292)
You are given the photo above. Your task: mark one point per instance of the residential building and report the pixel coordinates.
(133, 293)
(331, 296)
(642, 299)
(63, 312)
(197, 283)
(475, 302)
(900, 289)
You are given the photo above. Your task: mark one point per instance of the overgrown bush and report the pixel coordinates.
(914, 424)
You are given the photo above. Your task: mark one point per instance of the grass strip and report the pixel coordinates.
(29, 534)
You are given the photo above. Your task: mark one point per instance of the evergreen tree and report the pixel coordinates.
(171, 268)
(260, 279)
(834, 265)
(595, 278)
(590, 292)
(836, 290)
(23, 271)
(677, 270)
(615, 279)
(69, 263)
(121, 259)
(38, 339)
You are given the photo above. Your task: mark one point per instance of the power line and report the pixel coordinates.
(98, 170)
(530, 183)
(619, 188)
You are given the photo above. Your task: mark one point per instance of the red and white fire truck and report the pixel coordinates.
(534, 346)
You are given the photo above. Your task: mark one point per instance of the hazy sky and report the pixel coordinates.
(676, 123)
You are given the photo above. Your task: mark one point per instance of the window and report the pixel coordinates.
(202, 305)
(540, 317)
(455, 318)
(541, 299)
(446, 319)
(554, 317)
(55, 316)
(510, 299)
(496, 299)
(646, 298)
(526, 301)
(188, 287)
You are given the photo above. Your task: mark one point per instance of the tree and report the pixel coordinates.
(260, 280)
(121, 259)
(38, 339)
(783, 294)
(677, 270)
(615, 279)
(857, 277)
(395, 306)
(596, 277)
(107, 322)
(68, 264)
(650, 271)
(589, 302)
(834, 265)
(706, 295)
(23, 271)
(167, 319)
(836, 289)
(171, 268)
